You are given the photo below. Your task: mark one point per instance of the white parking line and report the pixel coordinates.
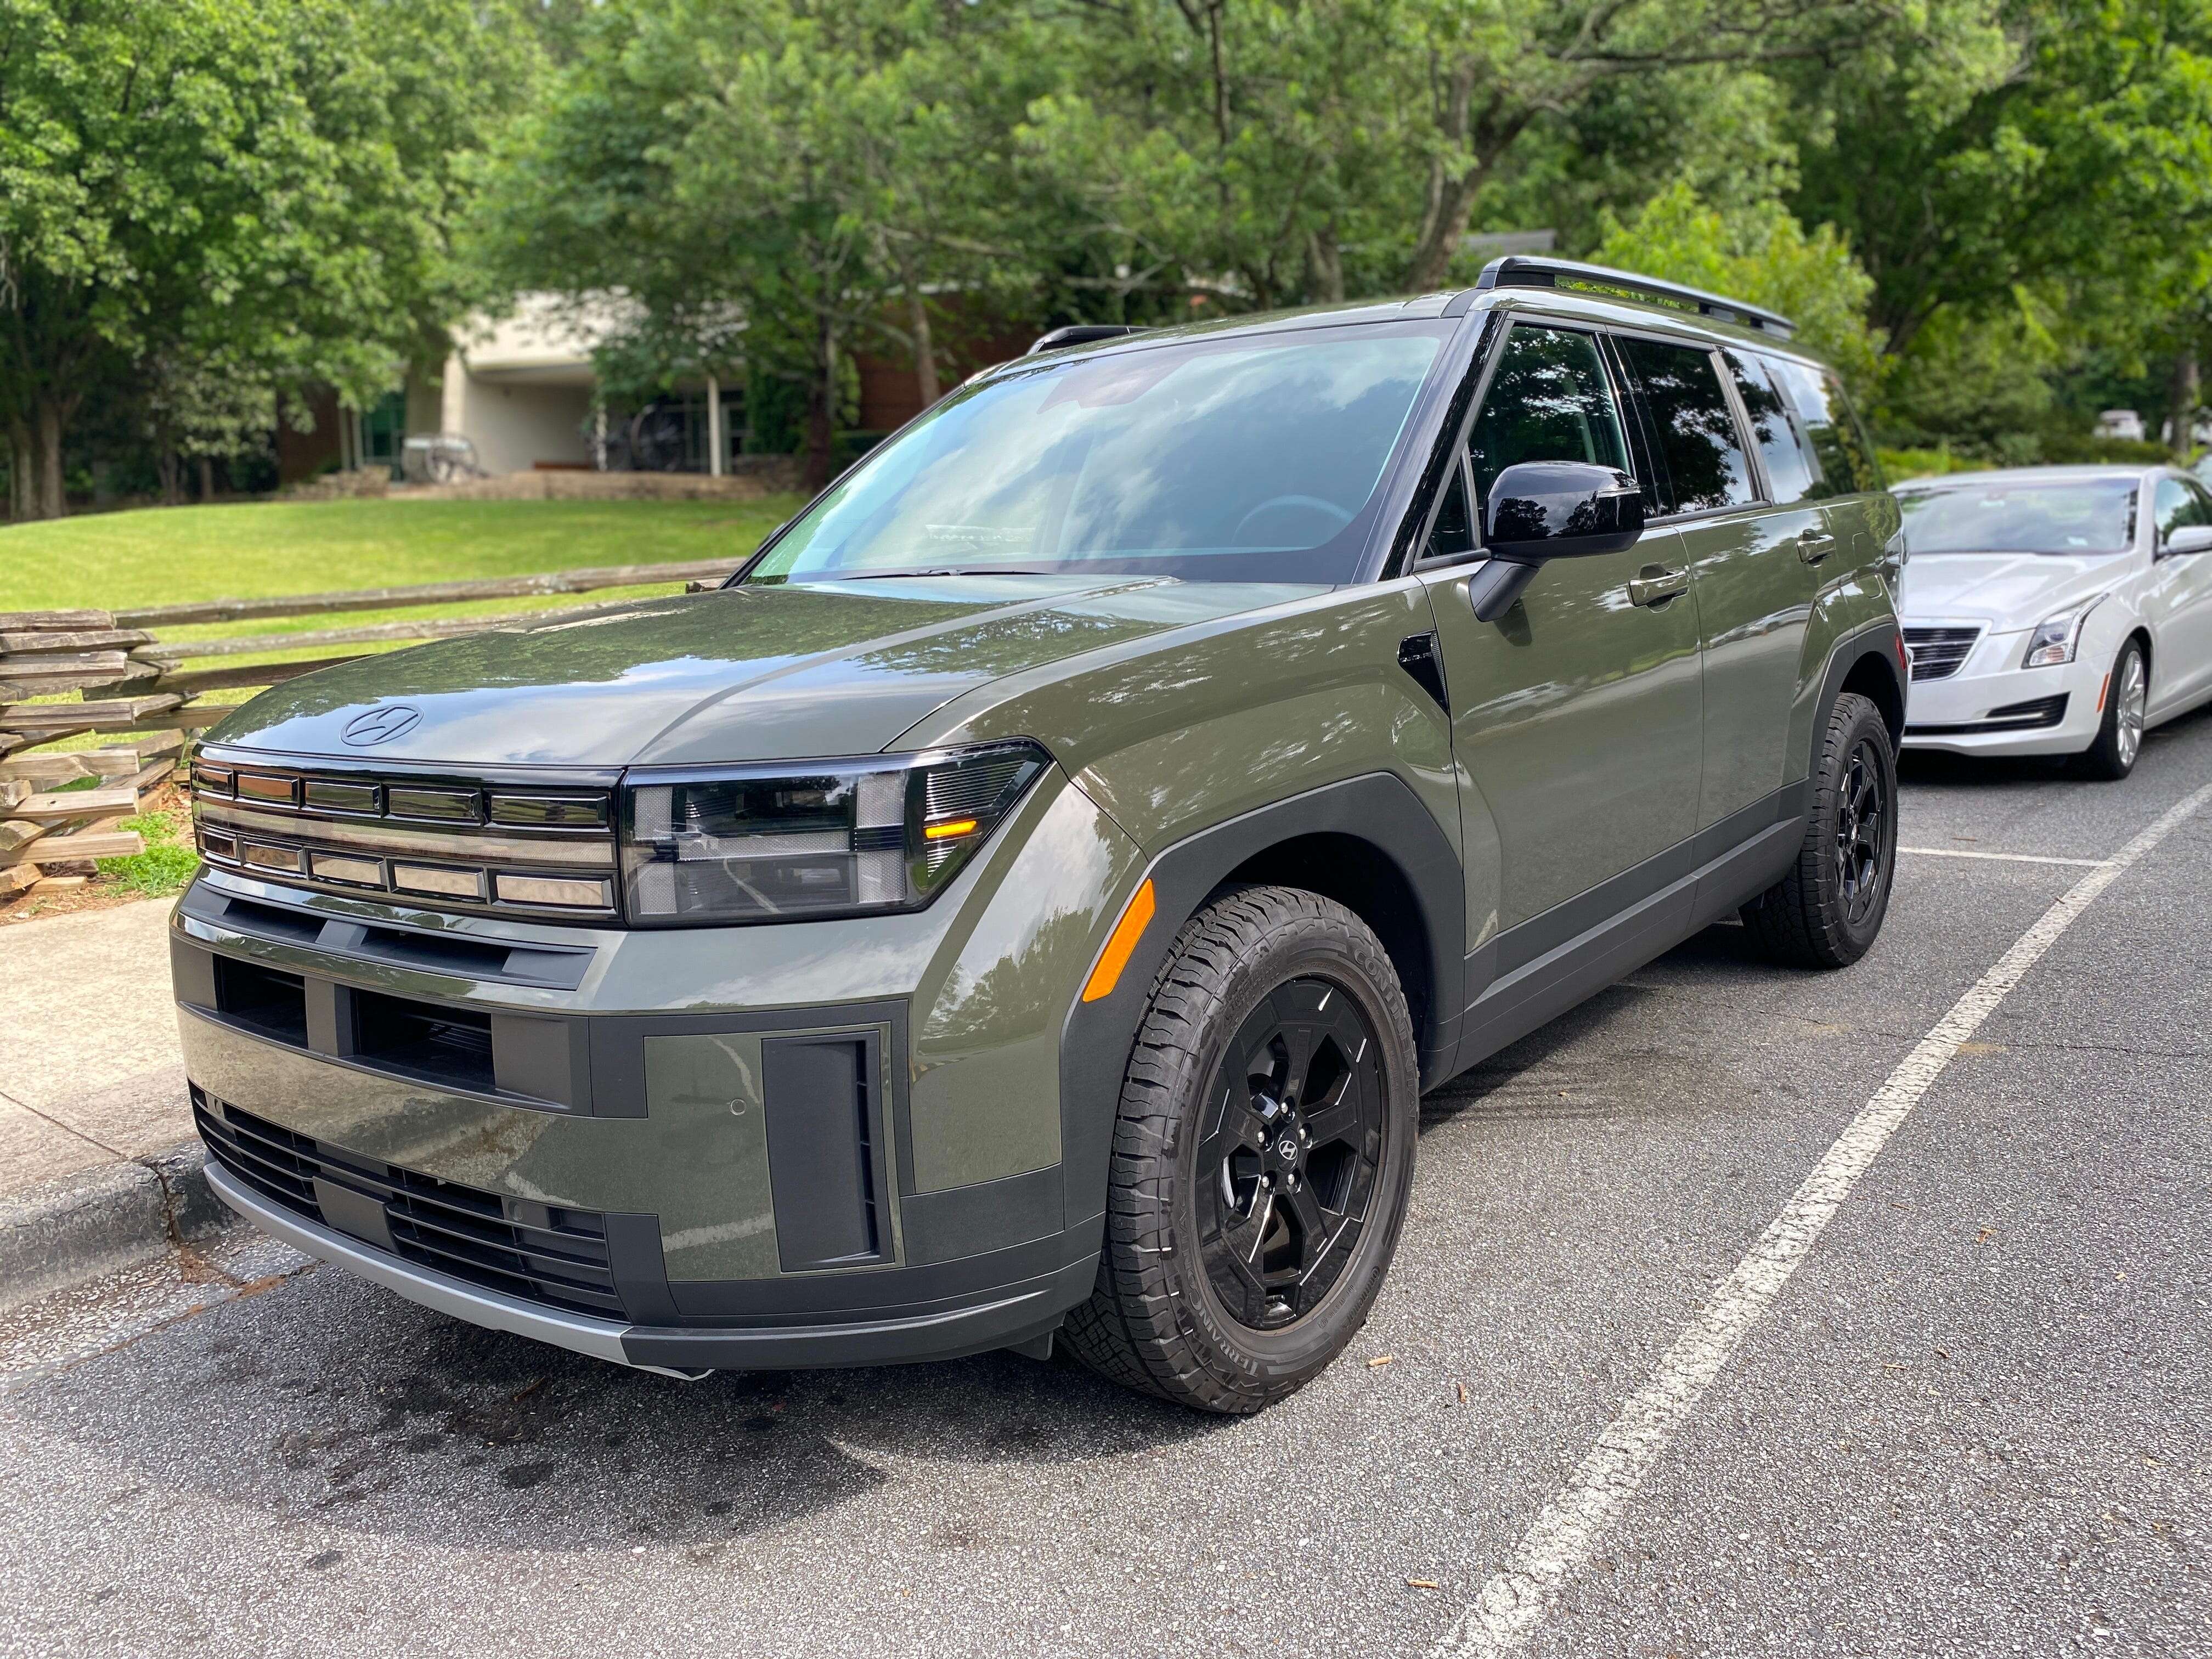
(1565, 1535)
(2002, 858)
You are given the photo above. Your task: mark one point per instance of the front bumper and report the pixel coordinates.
(826, 1144)
(1992, 705)
(1021, 1314)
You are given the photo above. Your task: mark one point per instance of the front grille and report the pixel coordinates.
(1937, 653)
(434, 842)
(537, 1253)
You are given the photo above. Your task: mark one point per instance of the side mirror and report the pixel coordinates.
(2189, 538)
(1540, 510)
(1561, 510)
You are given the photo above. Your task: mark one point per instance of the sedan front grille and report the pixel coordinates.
(546, 1254)
(1938, 652)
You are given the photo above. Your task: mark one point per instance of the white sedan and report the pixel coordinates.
(2056, 610)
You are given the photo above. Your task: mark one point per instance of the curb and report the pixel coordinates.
(116, 1216)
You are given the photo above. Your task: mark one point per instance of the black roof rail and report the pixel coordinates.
(1080, 334)
(1525, 270)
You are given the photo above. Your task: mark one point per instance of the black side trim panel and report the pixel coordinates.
(1379, 808)
(1538, 969)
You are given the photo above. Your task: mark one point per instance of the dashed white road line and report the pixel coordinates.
(2002, 858)
(1565, 1536)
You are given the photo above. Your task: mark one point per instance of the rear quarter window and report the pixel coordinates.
(1847, 464)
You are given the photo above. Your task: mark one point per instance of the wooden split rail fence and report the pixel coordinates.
(135, 691)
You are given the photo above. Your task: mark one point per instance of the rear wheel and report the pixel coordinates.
(1828, 910)
(1262, 1157)
(2119, 738)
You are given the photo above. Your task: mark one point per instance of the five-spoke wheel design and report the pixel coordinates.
(2131, 696)
(1861, 815)
(1292, 1140)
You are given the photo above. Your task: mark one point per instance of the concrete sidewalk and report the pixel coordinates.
(98, 1163)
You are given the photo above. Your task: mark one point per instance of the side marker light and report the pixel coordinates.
(1119, 949)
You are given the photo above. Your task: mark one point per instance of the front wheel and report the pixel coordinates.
(1262, 1155)
(2119, 737)
(1827, 910)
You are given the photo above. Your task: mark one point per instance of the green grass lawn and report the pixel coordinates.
(160, 555)
(156, 556)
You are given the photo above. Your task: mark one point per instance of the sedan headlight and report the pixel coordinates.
(787, 842)
(2056, 638)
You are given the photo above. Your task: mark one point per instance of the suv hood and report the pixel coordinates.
(736, 674)
(2007, 591)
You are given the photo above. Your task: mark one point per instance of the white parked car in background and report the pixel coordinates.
(2056, 611)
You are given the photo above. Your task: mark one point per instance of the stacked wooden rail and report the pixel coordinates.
(66, 809)
(140, 692)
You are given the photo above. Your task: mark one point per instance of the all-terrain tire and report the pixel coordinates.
(1156, 1320)
(2119, 736)
(1827, 910)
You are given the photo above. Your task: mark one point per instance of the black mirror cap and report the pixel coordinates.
(1541, 510)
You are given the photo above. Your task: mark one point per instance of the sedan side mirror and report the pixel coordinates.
(1540, 510)
(2188, 538)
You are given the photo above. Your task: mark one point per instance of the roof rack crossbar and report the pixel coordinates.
(1524, 270)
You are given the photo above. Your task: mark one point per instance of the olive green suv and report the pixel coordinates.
(1028, 900)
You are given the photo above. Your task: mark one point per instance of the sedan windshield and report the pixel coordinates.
(1248, 458)
(2078, 515)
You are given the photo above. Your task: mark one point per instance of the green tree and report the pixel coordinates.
(1759, 253)
(269, 184)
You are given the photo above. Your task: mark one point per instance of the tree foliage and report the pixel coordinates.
(269, 185)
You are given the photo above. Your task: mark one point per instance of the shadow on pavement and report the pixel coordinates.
(329, 1398)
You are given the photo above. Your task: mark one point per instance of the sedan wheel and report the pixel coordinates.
(2120, 735)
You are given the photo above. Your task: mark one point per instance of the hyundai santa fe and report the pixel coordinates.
(1024, 904)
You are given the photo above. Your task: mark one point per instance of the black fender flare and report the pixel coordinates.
(1379, 808)
(1881, 642)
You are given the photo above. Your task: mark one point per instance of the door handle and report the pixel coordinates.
(1654, 585)
(1815, 545)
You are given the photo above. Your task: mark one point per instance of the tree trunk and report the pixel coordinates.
(2181, 396)
(20, 470)
(207, 479)
(47, 489)
(171, 471)
(821, 414)
(925, 355)
(1328, 261)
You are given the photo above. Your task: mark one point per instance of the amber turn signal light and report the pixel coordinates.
(1127, 932)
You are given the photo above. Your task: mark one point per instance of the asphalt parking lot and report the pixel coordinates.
(1973, 1419)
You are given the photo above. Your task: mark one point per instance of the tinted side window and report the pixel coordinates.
(1454, 529)
(1846, 460)
(1693, 423)
(2177, 505)
(1792, 472)
(1550, 400)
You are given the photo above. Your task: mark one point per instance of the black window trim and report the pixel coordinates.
(1761, 502)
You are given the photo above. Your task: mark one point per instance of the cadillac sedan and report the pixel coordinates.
(2056, 611)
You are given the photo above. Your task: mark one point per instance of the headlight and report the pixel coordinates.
(786, 842)
(2056, 638)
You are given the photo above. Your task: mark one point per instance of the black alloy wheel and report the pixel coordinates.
(1862, 821)
(1291, 1154)
(1828, 906)
(1263, 1155)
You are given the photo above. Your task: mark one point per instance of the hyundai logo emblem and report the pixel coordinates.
(382, 725)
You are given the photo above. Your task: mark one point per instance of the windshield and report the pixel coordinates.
(2079, 515)
(1241, 459)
